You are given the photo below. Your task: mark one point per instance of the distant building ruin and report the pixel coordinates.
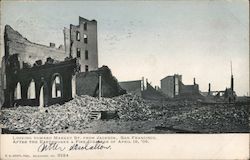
(172, 87)
(189, 90)
(228, 95)
(135, 87)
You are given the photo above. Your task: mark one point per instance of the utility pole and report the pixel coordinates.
(142, 84)
(209, 88)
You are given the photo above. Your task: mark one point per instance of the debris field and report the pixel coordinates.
(135, 115)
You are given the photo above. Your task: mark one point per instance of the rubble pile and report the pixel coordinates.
(134, 113)
(169, 109)
(73, 115)
(133, 107)
(216, 118)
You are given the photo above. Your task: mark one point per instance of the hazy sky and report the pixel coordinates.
(151, 38)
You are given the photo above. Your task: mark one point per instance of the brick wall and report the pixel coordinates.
(89, 29)
(27, 51)
(132, 86)
(88, 83)
(167, 86)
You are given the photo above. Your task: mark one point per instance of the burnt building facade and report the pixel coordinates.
(39, 75)
(172, 87)
(27, 51)
(135, 87)
(34, 74)
(189, 90)
(40, 85)
(80, 42)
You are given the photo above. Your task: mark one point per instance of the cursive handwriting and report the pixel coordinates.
(88, 146)
(50, 146)
(54, 146)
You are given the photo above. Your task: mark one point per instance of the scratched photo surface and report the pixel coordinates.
(124, 67)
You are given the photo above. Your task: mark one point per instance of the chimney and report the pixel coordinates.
(232, 78)
(194, 82)
(232, 82)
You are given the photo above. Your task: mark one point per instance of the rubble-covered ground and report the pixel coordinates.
(135, 116)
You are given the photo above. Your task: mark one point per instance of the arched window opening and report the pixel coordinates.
(73, 86)
(57, 87)
(41, 98)
(17, 93)
(31, 90)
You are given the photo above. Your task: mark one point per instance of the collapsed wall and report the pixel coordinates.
(132, 86)
(190, 92)
(29, 52)
(152, 93)
(137, 87)
(88, 83)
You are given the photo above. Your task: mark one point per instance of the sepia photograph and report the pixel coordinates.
(124, 67)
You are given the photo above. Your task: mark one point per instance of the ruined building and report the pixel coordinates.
(152, 93)
(81, 42)
(222, 96)
(135, 87)
(228, 95)
(35, 74)
(170, 85)
(173, 87)
(189, 90)
(88, 83)
(145, 91)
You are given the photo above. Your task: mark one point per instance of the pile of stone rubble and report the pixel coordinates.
(215, 118)
(72, 115)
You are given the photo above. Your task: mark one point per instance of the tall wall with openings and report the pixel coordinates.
(81, 42)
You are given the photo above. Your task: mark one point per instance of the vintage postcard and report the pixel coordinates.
(125, 80)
